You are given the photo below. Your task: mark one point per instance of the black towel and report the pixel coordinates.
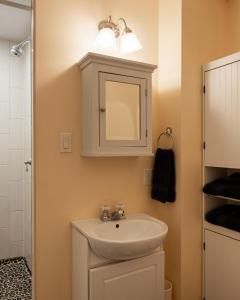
(163, 179)
(228, 186)
(227, 216)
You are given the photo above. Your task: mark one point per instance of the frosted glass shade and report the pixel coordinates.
(129, 43)
(106, 39)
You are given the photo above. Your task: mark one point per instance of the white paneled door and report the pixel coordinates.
(222, 267)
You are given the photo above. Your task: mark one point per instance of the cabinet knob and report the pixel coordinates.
(102, 110)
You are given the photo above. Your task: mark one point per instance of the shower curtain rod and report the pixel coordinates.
(15, 4)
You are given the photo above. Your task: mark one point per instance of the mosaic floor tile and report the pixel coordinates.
(15, 279)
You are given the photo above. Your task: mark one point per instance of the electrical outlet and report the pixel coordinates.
(148, 177)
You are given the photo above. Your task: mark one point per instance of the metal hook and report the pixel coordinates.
(169, 132)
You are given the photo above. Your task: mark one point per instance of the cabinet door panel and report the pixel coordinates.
(222, 267)
(222, 113)
(123, 110)
(138, 279)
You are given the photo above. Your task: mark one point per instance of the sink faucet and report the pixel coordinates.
(105, 213)
(116, 215)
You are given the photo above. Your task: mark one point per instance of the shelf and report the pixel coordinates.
(222, 230)
(227, 167)
(222, 197)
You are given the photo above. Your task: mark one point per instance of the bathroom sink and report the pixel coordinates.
(133, 237)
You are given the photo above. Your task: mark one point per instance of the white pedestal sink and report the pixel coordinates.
(133, 237)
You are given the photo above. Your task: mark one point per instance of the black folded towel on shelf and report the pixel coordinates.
(227, 216)
(227, 187)
(163, 179)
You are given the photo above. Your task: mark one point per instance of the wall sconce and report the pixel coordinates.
(109, 31)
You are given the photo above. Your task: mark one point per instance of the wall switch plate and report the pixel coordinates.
(148, 177)
(65, 142)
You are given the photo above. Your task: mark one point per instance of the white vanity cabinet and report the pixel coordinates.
(115, 106)
(137, 279)
(98, 278)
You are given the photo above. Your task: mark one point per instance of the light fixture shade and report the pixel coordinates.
(129, 43)
(106, 40)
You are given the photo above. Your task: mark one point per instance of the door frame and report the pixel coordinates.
(32, 72)
(33, 196)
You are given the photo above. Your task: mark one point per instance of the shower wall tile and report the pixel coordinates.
(16, 134)
(3, 212)
(16, 195)
(4, 122)
(5, 85)
(16, 222)
(15, 145)
(17, 105)
(4, 149)
(3, 181)
(4, 54)
(4, 243)
(16, 164)
(17, 249)
(17, 79)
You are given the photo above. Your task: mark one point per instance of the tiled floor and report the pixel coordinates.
(15, 279)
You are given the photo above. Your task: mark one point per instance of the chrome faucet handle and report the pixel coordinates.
(105, 213)
(120, 209)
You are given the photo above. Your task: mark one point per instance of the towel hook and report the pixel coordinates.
(167, 132)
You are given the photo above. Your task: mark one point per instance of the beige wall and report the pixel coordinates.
(233, 26)
(68, 186)
(203, 39)
(169, 113)
(186, 41)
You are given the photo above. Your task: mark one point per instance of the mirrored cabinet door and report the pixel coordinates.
(116, 106)
(123, 118)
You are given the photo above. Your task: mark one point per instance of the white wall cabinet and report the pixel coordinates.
(115, 106)
(222, 267)
(222, 113)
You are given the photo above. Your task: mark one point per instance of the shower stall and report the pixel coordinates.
(15, 148)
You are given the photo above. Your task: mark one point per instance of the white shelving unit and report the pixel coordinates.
(221, 157)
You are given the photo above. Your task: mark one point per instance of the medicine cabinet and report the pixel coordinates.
(116, 118)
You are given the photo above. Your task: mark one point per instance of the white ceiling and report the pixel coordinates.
(15, 24)
(23, 2)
